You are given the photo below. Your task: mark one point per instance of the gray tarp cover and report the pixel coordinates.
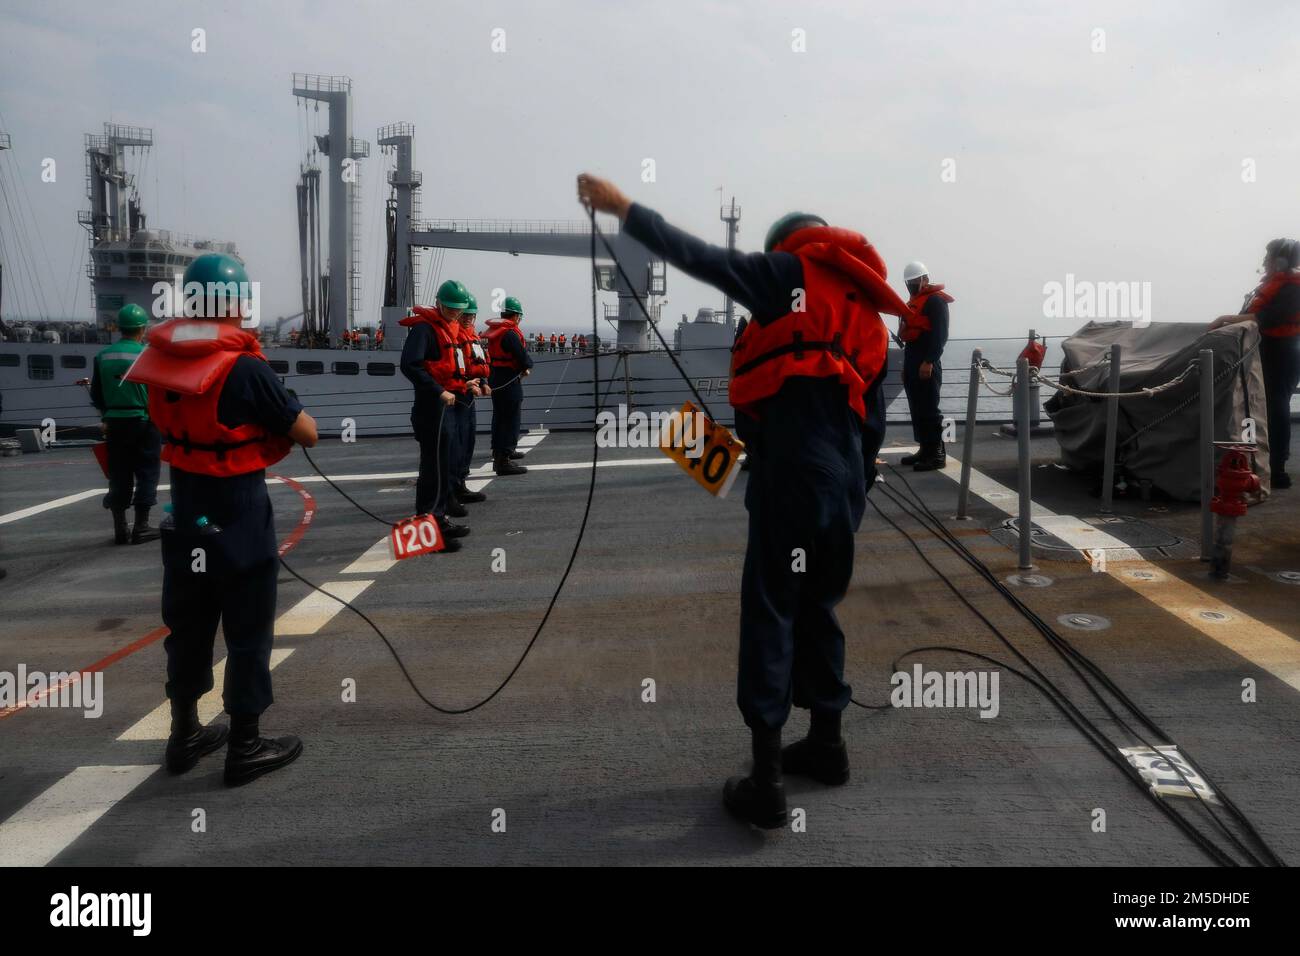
(1158, 435)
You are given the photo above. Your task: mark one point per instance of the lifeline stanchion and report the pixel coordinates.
(1207, 452)
(1035, 399)
(1112, 427)
(1022, 440)
(968, 438)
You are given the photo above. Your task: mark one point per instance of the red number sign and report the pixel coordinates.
(415, 536)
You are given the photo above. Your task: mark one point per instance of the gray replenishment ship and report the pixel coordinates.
(340, 365)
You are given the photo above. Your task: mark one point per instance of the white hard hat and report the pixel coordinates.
(914, 270)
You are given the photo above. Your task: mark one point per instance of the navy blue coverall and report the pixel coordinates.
(923, 394)
(508, 400)
(238, 583)
(1279, 359)
(806, 490)
(429, 421)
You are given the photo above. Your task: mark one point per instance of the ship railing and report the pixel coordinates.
(125, 135)
(320, 83)
(393, 131)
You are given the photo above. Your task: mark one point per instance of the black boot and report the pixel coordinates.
(121, 533)
(933, 460)
(190, 740)
(455, 508)
(759, 799)
(143, 531)
(1280, 479)
(504, 466)
(822, 754)
(452, 530)
(249, 756)
(467, 497)
(516, 455)
(910, 459)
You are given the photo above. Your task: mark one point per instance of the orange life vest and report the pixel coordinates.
(1265, 293)
(915, 321)
(497, 330)
(186, 365)
(476, 360)
(839, 332)
(448, 369)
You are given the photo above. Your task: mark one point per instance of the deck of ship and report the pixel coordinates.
(585, 771)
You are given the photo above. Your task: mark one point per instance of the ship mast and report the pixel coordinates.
(5, 143)
(731, 216)
(108, 184)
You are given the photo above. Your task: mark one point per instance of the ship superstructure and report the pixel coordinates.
(127, 259)
(334, 358)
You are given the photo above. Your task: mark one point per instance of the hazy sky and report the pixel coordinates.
(1122, 165)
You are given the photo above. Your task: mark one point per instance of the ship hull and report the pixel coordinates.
(367, 387)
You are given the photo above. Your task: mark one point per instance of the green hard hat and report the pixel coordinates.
(131, 317)
(472, 308)
(790, 222)
(512, 305)
(453, 295)
(217, 269)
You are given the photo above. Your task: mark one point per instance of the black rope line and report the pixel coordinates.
(1072, 655)
(573, 556)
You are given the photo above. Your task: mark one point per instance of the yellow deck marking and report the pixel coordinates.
(1262, 645)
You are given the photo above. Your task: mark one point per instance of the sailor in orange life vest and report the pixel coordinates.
(433, 361)
(924, 332)
(1274, 305)
(511, 364)
(806, 388)
(465, 413)
(224, 418)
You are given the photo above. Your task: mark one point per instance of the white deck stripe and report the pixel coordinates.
(50, 505)
(478, 478)
(1262, 645)
(316, 610)
(40, 831)
(157, 724)
(377, 559)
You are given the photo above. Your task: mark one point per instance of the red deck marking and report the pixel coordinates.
(308, 512)
(287, 545)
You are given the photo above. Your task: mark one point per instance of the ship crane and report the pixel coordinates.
(531, 237)
(341, 286)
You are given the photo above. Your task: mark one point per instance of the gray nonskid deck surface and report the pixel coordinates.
(585, 771)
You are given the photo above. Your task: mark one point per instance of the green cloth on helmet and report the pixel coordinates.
(132, 316)
(121, 399)
(453, 295)
(512, 305)
(789, 223)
